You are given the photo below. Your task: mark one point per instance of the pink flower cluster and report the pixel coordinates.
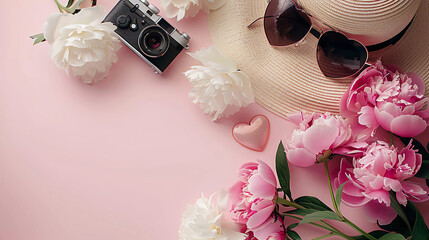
(371, 177)
(253, 202)
(381, 96)
(319, 136)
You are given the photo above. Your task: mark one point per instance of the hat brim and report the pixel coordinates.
(288, 79)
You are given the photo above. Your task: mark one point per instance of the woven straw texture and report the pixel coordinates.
(288, 79)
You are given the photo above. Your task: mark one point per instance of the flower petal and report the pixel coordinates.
(301, 157)
(383, 118)
(261, 188)
(354, 201)
(380, 212)
(267, 228)
(170, 11)
(319, 137)
(380, 195)
(50, 27)
(261, 215)
(408, 125)
(266, 173)
(416, 79)
(367, 117)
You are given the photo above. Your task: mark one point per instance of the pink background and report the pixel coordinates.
(122, 158)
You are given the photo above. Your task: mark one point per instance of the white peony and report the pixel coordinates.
(189, 8)
(82, 44)
(205, 221)
(218, 87)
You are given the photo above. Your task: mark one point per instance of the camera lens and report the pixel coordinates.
(153, 41)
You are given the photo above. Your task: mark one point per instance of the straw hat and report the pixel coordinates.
(288, 79)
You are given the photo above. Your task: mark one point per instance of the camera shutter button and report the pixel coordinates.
(123, 21)
(134, 26)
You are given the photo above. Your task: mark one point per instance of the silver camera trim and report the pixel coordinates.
(176, 35)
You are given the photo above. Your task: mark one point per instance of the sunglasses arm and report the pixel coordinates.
(248, 26)
(254, 21)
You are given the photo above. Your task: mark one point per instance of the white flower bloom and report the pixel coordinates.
(218, 87)
(82, 44)
(189, 8)
(209, 5)
(204, 221)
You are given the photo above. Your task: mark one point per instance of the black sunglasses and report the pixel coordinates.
(337, 55)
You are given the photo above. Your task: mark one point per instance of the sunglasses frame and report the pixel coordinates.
(320, 34)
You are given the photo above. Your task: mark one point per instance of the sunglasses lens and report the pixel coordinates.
(338, 56)
(284, 24)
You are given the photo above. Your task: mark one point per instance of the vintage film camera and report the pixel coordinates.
(146, 33)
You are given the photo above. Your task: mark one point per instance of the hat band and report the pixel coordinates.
(378, 46)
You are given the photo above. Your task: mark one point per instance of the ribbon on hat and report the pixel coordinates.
(378, 46)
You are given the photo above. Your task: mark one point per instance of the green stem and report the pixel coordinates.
(367, 235)
(324, 236)
(70, 9)
(312, 223)
(289, 203)
(331, 191)
(327, 226)
(60, 7)
(390, 139)
(337, 209)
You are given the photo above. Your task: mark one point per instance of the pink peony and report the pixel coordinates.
(254, 195)
(382, 169)
(380, 96)
(269, 230)
(277, 236)
(318, 136)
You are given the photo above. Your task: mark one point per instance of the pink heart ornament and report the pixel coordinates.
(253, 135)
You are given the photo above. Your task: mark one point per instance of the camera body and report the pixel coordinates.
(146, 33)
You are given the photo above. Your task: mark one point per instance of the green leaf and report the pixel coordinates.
(70, 9)
(312, 203)
(38, 38)
(398, 225)
(75, 6)
(338, 194)
(301, 212)
(282, 168)
(420, 229)
(292, 226)
(393, 236)
(70, 3)
(325, 236)
(424, 170)
(398, 209)
(317, 216)
(293, 235)
(377, 234)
